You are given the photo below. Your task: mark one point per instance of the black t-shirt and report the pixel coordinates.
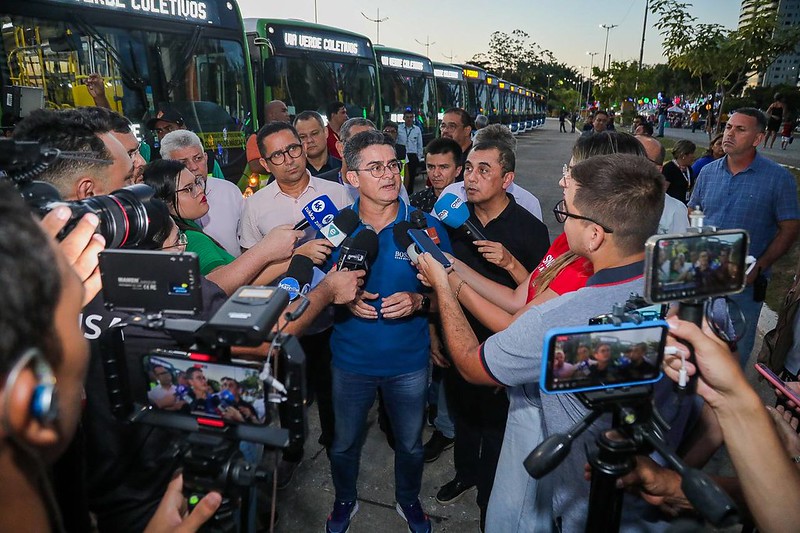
(127, 466)
(524, 235)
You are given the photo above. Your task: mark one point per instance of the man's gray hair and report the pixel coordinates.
(361, 141)
(496, 133)
(177, 140)
(350, 123)
(481, 121)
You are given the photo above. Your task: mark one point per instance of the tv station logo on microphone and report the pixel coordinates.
(320, 212)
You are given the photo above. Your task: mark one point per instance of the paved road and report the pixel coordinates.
(305, 505)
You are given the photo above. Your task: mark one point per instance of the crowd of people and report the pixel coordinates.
(380, 332)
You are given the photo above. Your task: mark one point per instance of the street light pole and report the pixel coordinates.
(608, 28)
(377, 22)
(580, 89)
(427, 44)
(547, 100)
(591, 65)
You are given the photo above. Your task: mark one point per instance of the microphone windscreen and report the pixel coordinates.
(401, 236)
(347, 221)
(301, 268)
(367, 240)
(418, 220)
(451, 210)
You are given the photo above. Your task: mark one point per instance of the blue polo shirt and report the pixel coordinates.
(755, 199)
(385, 347)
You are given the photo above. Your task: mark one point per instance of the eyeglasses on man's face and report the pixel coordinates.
(279, 157)
(378, 170)
(561, 214)
(195, 188)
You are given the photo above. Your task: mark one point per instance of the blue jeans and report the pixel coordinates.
(751, 311)
(404, 399)
(443, 421)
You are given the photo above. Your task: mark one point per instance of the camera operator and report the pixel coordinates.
(612, 205)
(768, 480)
(107, 166)
(41, 345)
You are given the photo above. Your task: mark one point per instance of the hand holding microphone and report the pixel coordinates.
(454, 213)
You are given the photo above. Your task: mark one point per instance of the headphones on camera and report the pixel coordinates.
(44, 403)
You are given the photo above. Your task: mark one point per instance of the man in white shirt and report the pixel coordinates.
(675, 217)
(410, 136)
(225, 201)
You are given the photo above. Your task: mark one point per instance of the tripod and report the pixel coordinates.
(636, 429)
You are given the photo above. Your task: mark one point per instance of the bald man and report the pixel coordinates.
(276, 111)
(675, 217)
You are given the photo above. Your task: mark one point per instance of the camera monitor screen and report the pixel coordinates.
(231, 392)
(602, 357)
(684, 267)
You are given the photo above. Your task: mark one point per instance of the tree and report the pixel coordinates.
(726, 56)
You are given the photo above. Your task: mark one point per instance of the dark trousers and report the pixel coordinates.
(317, 348)
(413, 169)
(480, 414)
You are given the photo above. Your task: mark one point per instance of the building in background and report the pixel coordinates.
(786, 68)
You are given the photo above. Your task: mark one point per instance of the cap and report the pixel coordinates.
(409, 109)
(166, 116)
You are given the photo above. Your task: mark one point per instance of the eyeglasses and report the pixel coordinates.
(566, 169)
(279, 157)
(378, 170)
(183, 240)
(561, 214)
(134, 152)
(194, 188)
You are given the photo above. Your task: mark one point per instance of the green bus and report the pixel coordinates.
(451, 87)
(406, 80)
(187, 55)
(308, 66)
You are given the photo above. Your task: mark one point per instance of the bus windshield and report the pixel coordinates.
(205, 79)
(400, 89)
(450, 95)
(306, 84)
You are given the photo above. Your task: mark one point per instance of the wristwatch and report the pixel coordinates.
(425, 306)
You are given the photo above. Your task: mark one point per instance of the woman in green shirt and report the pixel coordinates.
(184, 194)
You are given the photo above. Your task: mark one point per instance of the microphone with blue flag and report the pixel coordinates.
(454, 213)
(298, 276)
(318, 213)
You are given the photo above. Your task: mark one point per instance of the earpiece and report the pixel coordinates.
(44, 404)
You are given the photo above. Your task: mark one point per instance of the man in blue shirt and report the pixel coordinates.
(381, 340)
(744, 190)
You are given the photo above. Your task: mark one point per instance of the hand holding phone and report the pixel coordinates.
(778, 384)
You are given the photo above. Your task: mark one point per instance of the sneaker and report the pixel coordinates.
(286, 471)
(453, 491)
(418, 521)
(430, 417)
(339, 519)
(436, 445)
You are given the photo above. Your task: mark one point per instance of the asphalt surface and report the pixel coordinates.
(305, 504)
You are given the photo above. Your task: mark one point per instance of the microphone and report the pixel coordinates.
(404, 242)
(450, 209)
(318, 213)
(298, 276)
(343, 224)
(419, 221)
(359, 251)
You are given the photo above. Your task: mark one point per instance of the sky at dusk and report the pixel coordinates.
(568, 28)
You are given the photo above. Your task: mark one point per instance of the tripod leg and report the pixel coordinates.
(613, 459)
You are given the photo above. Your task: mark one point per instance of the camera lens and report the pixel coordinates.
(124, 215)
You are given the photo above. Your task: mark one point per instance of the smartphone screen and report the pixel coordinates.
(682, 267)
(231, 392)
(777, 382)
(425, 243)
(602, 357)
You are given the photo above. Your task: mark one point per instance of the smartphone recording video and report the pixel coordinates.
(602, 357)
(231, 392)
(684, 267)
